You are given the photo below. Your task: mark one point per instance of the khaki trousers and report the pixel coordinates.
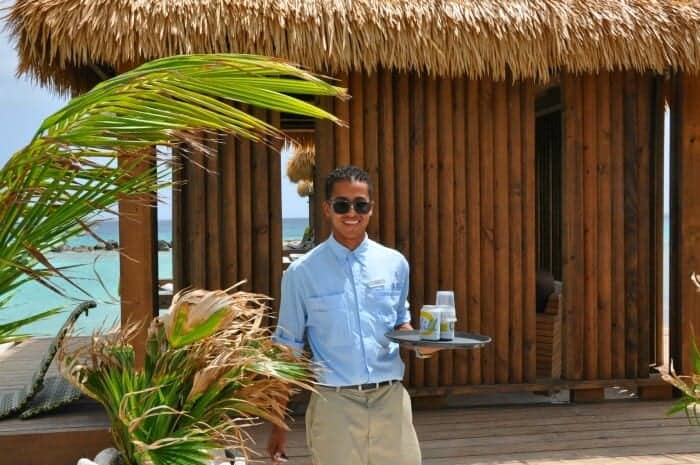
(373, 427)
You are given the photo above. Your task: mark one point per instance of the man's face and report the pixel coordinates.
(348, 228)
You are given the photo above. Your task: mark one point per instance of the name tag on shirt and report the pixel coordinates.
(376, 283)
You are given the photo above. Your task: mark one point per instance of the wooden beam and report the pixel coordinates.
(417, 198)
(538, 385)
(473, 180)
(572, 226)
(138, 261)
(527, 126)
(501, 244)
(617, 226)
(605, 244)
(487, 252)
(685, 214)
(432, 216)
(445, 204)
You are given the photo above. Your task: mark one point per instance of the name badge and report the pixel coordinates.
(376, 283)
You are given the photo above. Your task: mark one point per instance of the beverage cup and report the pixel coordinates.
(448, 318)
(430, 322)
(446, 298)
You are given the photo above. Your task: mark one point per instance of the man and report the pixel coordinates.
(344, 295)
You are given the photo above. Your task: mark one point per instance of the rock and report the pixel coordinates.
(110, 456)
(163, 245)
(85, 461)
(59, 248)
(111, 245)
(99, 247)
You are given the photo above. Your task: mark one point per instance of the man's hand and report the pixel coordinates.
(425, 352)
(276, 444)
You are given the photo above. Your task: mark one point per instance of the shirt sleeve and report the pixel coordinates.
(291, 323)
(403, 313)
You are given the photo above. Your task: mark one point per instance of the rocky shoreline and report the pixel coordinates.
(163, 246)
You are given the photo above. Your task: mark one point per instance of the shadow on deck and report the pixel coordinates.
(610, 433)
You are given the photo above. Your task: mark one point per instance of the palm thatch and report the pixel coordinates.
(300, 166)
(68, 44)
(305, 188)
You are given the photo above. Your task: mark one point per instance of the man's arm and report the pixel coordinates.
(291, 325)
(404, 315)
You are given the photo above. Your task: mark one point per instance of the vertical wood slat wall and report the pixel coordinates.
(685, 220)
(454, 168)
(611, 236)
(459, 203)
(227, 216)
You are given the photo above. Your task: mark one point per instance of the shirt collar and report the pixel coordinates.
(341, 252)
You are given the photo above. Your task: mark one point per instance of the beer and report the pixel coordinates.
(430, 322)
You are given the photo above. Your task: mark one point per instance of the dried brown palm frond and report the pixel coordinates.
(211, 369)
(300, 166)
(305, 188)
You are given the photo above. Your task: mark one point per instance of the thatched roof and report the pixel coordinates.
(65, 43)
(300, 166)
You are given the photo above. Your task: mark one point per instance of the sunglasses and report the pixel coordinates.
(342, 206)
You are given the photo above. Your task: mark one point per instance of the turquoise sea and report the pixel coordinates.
(98, 274)
(89, 266)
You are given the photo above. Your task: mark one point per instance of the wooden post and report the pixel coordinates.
(138, 262)
(572, 227)
(685, 219)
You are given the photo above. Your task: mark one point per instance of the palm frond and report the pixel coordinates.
(194, 397)
(89, 155)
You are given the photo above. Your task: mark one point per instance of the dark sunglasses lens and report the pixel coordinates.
(362, 207)
(341, 206)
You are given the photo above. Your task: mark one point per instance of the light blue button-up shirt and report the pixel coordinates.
(344, 301)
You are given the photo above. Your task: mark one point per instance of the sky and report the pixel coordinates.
(24, 105)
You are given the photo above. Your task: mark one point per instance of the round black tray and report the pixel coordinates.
(461, 340)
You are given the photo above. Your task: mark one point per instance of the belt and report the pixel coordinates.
(366, 387)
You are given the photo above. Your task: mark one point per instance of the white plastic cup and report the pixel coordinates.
(448, 318)
(445, 298)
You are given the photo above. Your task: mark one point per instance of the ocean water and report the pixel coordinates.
(97, 274)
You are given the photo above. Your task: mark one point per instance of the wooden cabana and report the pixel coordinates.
(502, 135)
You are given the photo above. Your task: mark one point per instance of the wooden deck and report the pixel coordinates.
(614, 433)
(611, 433)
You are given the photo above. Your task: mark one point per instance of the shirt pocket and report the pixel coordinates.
(384, 303)
(328, 320)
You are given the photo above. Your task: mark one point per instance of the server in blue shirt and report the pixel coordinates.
(343, 296)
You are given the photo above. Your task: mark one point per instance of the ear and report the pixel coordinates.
(326, 208)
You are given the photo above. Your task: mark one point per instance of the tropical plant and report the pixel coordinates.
(210, 369)
(9, 332)
(55, 187)
(689, 385)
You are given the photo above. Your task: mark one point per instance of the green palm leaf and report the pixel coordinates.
(68, 174)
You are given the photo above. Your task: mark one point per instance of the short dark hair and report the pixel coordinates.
(347, 173)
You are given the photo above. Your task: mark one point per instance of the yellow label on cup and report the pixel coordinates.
(430, 323)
